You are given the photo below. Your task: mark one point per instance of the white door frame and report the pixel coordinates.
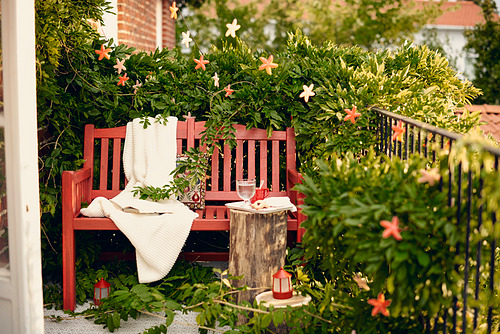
(24, 286)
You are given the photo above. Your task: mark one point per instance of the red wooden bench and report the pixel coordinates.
(256, 156)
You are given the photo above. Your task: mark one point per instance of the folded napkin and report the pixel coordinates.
(277, 202)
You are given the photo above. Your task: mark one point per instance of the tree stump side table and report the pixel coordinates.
(257, 249)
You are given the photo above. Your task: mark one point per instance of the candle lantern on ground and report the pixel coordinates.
(282, 285)
(101, 290)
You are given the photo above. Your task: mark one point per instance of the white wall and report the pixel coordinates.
(110, 26)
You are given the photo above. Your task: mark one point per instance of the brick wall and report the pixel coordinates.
(137, 23)
(168, 26)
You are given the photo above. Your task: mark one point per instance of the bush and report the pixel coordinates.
(346, 203)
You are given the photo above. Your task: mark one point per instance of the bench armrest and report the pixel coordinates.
(293, 177)
(76, 186)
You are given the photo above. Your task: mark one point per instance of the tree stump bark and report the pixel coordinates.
(257, 249)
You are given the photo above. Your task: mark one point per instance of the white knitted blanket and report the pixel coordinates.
(158, 230)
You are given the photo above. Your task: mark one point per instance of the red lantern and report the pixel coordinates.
(101, 290)
(282, 285)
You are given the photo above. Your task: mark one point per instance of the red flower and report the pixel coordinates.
(380, 305)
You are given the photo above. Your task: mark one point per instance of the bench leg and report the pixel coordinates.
(68, 263)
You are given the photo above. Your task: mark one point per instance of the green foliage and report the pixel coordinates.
(62, 30)
(188, 172)
(412, 81)
(371, 24)
(197, 289)
(484, 41)
(345, 204)
(438, 44)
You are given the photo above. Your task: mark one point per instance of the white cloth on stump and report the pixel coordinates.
(158, 230)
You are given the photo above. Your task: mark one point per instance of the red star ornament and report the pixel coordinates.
(228, 90)
(380, 305)
(391, 228)
(351, 114)
(103, 52)
(201, 63)
(122, 80)
(399, 130)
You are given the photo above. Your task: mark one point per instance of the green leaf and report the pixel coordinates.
(278, 317)
(116, 319)
(266, 320)
(423, 258)
(170, 317)
(110, 323)
(170, 304)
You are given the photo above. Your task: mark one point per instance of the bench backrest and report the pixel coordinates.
(255, 156)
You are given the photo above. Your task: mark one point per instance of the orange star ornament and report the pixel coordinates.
(267, 64)
(173, 11)
(351, 114)
(399, 130)
(103, 52)
(380, 305)
(391, 228)
(201, 63)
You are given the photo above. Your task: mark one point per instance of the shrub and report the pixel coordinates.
(346, 203)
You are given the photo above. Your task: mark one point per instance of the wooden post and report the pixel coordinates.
(257, 249)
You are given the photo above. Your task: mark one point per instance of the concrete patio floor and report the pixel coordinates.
(182, 324)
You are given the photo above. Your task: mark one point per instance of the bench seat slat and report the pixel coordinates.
(210, 224)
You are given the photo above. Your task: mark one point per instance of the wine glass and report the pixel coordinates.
(245, 189)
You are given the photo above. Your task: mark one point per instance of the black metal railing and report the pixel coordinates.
(402, 136)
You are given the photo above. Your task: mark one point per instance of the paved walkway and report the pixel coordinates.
(183, 324)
